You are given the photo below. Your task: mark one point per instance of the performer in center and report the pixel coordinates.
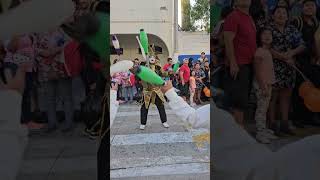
(153, 95)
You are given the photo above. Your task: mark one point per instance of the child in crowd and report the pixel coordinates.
(21, 49)
(192, 88)
(199, 76)
(168, 68)
(263, 80)
(127, 89)
(117, 78)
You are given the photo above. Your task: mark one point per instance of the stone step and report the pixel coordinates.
(155, 138)
(136, 112)
(167, 170)
(130, 125)
(201, 176)
(149, 161)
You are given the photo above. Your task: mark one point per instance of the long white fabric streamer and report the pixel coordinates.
(34, 16)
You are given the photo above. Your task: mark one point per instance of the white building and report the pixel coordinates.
(159, 18)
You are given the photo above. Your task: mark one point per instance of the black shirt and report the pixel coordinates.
(3, 79)
(307, 31)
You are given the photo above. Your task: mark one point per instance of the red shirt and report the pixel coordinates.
(186, 72)
(73, 59)
(167, 66)
(245, 36)
(132, 80)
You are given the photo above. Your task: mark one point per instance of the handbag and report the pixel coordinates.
(206, 91)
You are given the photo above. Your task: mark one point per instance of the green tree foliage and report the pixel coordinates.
(187, 24)
(201, 12)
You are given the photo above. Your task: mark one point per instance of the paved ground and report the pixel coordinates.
(59, 156)
(135, 154)
(156, 153)
(153, 154)
(282, 141)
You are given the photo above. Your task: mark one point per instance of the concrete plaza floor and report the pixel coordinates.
(156, 153)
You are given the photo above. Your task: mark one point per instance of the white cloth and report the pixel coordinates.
(114, 105)
(234, 152)
(238, 156)
(197, 118)
(13, 137)
(34, 16)
(296, 161)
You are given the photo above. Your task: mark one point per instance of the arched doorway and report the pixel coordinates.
(130, 47)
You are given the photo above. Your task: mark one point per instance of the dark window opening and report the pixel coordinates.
(158, 49)
(114, 52)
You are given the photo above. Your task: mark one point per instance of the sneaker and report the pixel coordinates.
(270, 134)
(263, 139)
(142, 127)
(193, 104)
(165, 124)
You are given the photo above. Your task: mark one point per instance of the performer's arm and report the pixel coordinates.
(199, 118)
(114, 104)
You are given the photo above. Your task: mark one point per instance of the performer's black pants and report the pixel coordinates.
(160, 106)
(103, 158)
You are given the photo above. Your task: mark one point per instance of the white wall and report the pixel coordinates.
(129, 16)
(137, 10)
(130, 47)
(193, 42)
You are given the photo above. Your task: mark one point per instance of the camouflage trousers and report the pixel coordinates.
(263, 101)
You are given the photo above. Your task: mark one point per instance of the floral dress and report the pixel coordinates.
(199, 74)
(51, 67)
(290, 38)
(262, 22)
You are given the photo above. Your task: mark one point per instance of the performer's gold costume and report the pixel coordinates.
(153, 95)
(150, 91)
